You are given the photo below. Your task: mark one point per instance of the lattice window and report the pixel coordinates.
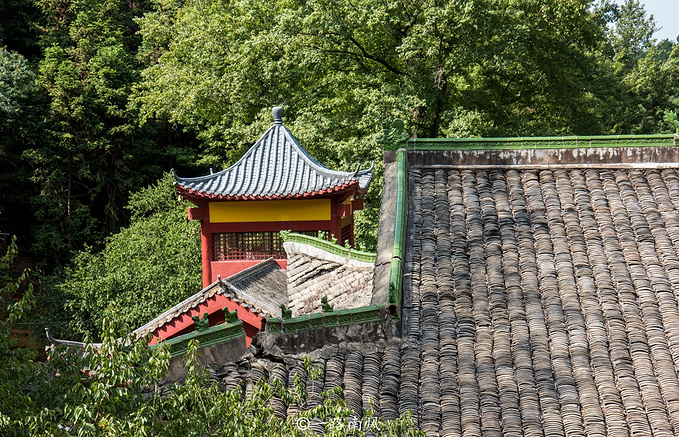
(250, 245)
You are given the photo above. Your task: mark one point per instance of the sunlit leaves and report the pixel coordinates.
(145, 268)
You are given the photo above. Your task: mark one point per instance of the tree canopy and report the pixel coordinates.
(99, 97)
(146, 268)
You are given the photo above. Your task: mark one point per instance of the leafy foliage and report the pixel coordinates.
(18, 27)
(17, 369)
(450, 68)
(129, 89)
(92, 150)
(74, 145)
(20, 127)
(355, 64)
(145, 268)
(112, 389)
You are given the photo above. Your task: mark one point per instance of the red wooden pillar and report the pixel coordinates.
(351, 231)
(201, 213)
(206, 244)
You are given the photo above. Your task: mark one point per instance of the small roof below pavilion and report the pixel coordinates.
(275, 167)
(261, 288)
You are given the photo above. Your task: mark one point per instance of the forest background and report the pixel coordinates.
(100, 98)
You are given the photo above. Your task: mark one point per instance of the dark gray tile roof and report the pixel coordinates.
(275, 167)
(263, 286)
(545, 302)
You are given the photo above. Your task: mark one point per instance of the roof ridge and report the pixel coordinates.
(181, 304)
(544, 142)
(276, 166)
(252, 269)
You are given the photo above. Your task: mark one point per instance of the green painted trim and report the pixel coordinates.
(400, 222)
(330, 319)
(328, 246)
(214, 335)
(519, 143)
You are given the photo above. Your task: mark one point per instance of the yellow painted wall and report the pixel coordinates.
(270, 210)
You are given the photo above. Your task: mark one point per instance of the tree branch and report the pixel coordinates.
(380, 61)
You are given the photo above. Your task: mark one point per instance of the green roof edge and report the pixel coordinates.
(329, 319)
(555, 142)
(331, 247)
(213, 335)
(400, 217)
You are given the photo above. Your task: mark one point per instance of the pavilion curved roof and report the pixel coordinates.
(275, 167)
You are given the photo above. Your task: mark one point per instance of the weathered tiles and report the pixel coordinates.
(668, 195)
(297, 379)
(278, 376)
(544, 304)
(429, 320)
(370, 392)
(448, 354)
(410, 380)
(549, 290)
(466, 334)
(391, 370)
(537, 325)
(353, 378)
(657, 300)
(610, 217)
(666, 208)
(497, 301)
(414, 254)
(522, 362)
(334, 371)
(658, 255)
(600, 362)
(635, 421)
(575, 324)
(257, 373)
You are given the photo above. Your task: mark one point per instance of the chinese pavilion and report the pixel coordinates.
(275, 186)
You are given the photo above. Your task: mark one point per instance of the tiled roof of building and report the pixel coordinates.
(261, 288)
(541, 297)
(314, 273)
(543, 301)
(275, 167)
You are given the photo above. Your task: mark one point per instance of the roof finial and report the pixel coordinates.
(277, 115)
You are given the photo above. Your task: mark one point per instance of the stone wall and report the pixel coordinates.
(314, 273)
(621, 157)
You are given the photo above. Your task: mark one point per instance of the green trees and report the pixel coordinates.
(506, 66)
(125, 88)
(145, 268)
(644, 74)
(112, 389)
(16, 366)
(452, 68)
(21, 123)
(73, 141)
(122, 91)
(95, 151)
